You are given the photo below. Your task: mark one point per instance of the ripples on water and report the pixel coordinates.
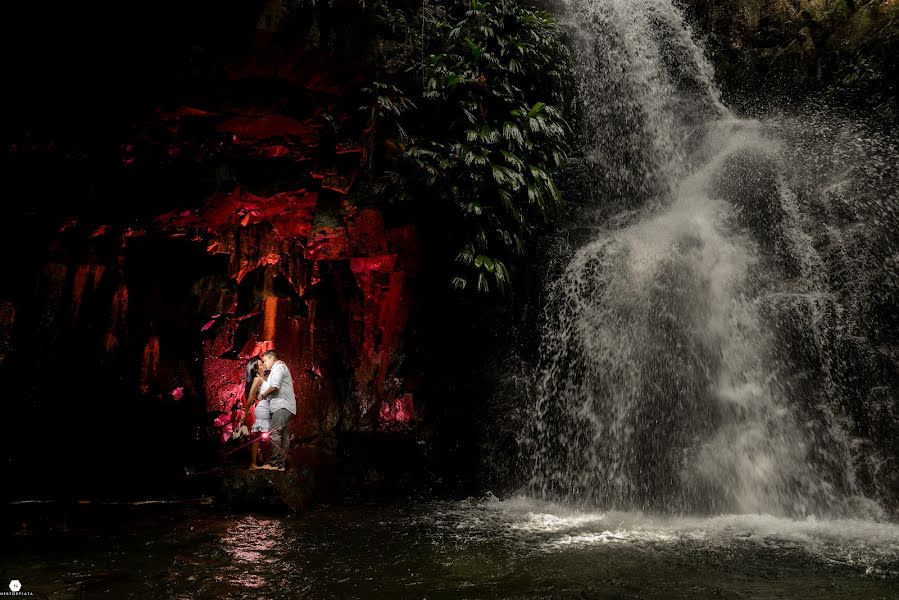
(517, 548)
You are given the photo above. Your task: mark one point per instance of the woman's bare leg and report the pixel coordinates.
(254, 452)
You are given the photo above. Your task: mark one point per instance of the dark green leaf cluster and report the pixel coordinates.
(482, 132)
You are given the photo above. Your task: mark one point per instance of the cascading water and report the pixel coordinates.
(698, 351)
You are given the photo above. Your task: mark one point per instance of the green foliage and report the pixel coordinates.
(483, 133)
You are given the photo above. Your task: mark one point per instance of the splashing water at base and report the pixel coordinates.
(674, 374)
(549, 527)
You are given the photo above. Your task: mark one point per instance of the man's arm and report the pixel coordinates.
(275, 379)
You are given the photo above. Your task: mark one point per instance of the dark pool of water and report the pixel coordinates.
(519, 548)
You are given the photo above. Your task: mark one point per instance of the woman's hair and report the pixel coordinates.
(251, 369)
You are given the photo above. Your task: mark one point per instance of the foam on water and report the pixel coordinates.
(551, 527)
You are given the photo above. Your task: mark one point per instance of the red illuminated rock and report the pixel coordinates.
(293, 260)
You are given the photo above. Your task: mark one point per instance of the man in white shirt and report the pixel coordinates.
(283, 405)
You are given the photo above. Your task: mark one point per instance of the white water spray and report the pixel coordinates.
(664, 383)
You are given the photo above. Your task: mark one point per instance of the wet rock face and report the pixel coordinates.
(843, 45)
(267, 491)
(747, 182)
(238, 221)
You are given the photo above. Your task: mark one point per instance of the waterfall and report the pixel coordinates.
(698, 350)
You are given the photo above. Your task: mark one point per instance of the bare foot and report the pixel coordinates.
(254, 467)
